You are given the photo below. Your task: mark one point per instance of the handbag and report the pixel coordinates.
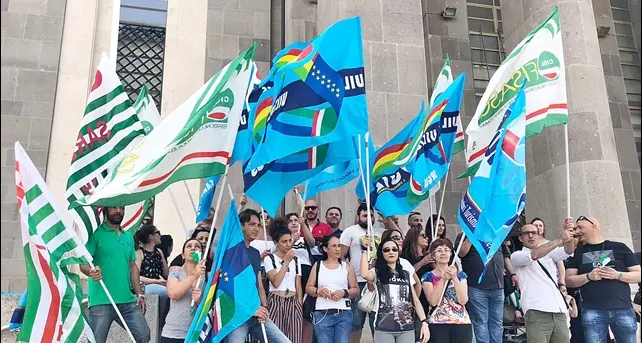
(310, 303)
(369, 301)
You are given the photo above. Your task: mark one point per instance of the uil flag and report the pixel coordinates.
(204, 205)
(537, 62)
(244, 134)
(108, 130)
(497, 193)
(193, 142)
(319, 96)
(281, 175)
(444, 80)
(230, 297)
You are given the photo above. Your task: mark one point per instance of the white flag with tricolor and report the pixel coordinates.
(146, 110)
(193, 142)
(53, 312)
(108, 130)
(536, 62)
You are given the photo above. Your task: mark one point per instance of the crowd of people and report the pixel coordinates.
(319, 283)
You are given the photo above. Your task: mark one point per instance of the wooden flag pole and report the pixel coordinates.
(211, 237)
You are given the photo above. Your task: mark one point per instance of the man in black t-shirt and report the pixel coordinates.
(603, 270)
(251, 223)
(486, 298)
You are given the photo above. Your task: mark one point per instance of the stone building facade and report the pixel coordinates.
(50, 49)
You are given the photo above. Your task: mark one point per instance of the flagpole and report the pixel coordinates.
(367, 195)
(305, 194)
(265, 340)
(441, 202)
(189, 194)
(264, 228)
(211, 237)
(113, 303)
(568, 173)
(455, 259)
(180, 216)
(363, 181)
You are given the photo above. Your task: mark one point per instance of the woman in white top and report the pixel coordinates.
(285, 297)
(333, 282)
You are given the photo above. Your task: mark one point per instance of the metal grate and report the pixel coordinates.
(141, 51)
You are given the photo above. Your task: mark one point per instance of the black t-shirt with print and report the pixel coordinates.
(396, 313)
(604, 294)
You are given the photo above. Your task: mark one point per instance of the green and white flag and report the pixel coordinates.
(42, 216)
(108, 130)
(146, 110)
(193, 142)
(53, 312)
(444, 80)
(536, 62)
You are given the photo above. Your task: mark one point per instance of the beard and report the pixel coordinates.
(363, 224)
(115, 218)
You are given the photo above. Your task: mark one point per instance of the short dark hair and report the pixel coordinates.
(334, 208)
(441, 242)
(277, 224)
(279, 232)
(247, 214)
(324, 244)
(363, 207)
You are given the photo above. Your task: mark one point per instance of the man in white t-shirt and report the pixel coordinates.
(351, 247)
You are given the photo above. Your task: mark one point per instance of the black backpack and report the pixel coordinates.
(266, 281)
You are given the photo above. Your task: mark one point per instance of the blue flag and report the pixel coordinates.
(436, 141)
(231, 295)
(207, 197)
(18, 313)
(497, 193)
(244, 134)
(335, 176)
(319, 97)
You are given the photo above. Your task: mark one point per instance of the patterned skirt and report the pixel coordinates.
(287, 314)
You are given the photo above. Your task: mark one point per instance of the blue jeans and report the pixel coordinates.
(253, 327)
(101, 317)
(486, 310)
(596, 325)
(358, 316)
(329, 328)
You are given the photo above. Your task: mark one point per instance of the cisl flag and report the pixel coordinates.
(536, 62)
(193, 142)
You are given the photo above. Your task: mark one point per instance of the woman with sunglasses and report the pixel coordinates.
(181, 290)
(302, 241)
(285, 297)
(398, 301)
(449, 322)
(333, 284)
(150, 260)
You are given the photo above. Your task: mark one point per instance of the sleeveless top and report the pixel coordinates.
(332, 279)
(152, 265)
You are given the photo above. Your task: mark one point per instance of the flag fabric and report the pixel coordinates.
(319, 95)
(15, 323)
(146, 110)
(433, 151)
(134, 216)
(444, 80)
(230, 297)
(52, 310)
(193, 142)
(204, 205)
(497, 193)
(109, 128)
(244, 134)
(332, 177)
(537, 62)
(42, 216)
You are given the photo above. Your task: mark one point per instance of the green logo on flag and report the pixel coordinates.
(548, 65)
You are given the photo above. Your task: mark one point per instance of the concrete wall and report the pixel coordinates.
(31, 39)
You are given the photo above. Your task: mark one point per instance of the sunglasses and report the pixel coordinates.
(390, 249)
(585, 218)
(396, 238)
(310, 208)
(157, 233)
(422, 235)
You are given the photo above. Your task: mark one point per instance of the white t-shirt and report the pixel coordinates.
(259, 245)
(289, 280)
(301, 251)
(405, 264)
(350, 237)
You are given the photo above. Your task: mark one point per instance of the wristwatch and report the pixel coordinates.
(346, 294)
(619, 276)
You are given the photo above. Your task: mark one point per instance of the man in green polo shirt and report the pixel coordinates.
(114, 257)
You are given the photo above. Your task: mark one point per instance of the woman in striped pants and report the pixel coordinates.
(285, 297)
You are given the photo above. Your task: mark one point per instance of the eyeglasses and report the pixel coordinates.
(422, 235)
(157, 233)
(396, 238)
(585, 218)
(443, 251)
(390, 249)
(311, 208)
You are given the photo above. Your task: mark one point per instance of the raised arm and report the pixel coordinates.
(366, 273)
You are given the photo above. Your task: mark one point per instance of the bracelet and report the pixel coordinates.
(511, 275)
(346, 294)
(619, 276)
(561, 285)
(425, 321)
(588, 276)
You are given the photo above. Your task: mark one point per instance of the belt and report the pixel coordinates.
(333, 311)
